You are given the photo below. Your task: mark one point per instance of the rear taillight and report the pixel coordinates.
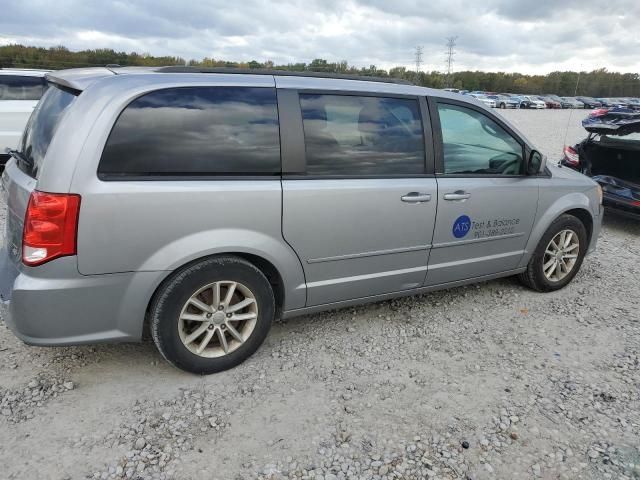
(571, 156)
(50, 227)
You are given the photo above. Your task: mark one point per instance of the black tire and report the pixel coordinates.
(534, 277)
(176, 290)
(503, 105)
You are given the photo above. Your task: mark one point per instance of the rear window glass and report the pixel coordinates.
(196, 131)
(355, 136)
(41, 127)
(16, 87)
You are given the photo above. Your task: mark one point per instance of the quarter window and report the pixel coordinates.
(475, 144)
(352, 135)
(196, 131)
(15, 87)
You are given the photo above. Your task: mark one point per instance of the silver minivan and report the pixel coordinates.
(207, 203)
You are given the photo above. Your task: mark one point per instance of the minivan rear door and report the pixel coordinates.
(359, 196)
(20, 177)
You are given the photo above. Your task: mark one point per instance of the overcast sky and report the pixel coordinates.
(508, 35)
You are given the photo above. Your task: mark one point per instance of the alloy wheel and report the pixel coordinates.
(561, 255)
(218, 318)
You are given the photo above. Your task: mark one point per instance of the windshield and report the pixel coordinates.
(41, 128)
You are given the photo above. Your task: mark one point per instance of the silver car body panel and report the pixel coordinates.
(334, 242)
(498, 232)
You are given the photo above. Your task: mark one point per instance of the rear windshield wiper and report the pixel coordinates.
(20, 156)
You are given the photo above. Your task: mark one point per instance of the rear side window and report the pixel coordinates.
(16, 87)
(41, 127)
(196, 131)
(355, 136)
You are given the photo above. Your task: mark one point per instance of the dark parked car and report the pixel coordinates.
(573, 102)
(590, 102)
(611, 156)
(550, 102)
(612, 102)
(563, 103)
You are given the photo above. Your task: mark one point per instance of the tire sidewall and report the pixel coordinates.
(179, 288)
(565, 222)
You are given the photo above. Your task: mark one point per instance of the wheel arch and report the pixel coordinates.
(576, 204)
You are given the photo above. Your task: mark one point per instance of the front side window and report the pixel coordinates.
(16, 87)
(475, 144)
(196, 131)
(359, 136)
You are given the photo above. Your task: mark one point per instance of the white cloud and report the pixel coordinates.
(507, 35)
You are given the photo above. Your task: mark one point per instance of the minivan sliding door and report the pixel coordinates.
(359, 197)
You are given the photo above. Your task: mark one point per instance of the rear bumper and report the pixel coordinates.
(54, 305)
(623, 208)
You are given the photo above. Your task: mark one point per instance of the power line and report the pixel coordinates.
(418, 56)
(451, 45)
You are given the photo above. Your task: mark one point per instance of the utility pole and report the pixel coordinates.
(418, 57)
(451, 45)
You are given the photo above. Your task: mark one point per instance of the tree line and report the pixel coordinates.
(597, 83)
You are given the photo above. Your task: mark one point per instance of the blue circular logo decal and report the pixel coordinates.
(461, 226)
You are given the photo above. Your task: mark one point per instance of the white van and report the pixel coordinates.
(20, 90)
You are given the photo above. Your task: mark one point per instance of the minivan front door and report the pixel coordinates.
(362, 214)
(486, 204)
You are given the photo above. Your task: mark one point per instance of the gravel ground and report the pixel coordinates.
(478, 382)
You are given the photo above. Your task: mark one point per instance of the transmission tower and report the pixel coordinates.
(451, 45)
(418, 57)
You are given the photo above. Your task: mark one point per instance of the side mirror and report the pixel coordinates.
(535, 163)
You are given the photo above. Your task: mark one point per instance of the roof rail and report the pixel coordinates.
(282, 73)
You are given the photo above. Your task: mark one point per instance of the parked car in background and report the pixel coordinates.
(532, 101)
(611, 156)
(633, 103)
(611, 102)
(589, 102)
(20, 91)
(208, 203)
(563, 103)
(484, 99)
(573, 102)
(550, 102)
(503, 101)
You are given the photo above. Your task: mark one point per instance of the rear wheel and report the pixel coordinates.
(558, 256)
(212, 315)
(503, 105)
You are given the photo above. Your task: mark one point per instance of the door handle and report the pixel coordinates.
(416, 197)
(457, 195)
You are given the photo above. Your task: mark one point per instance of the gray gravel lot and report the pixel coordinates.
(478, 382)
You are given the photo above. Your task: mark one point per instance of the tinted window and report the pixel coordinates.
(196, 131)
(41, 128)
(350, 135)
(475, 144)
(14, 87)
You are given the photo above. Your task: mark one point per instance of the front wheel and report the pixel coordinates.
(212, 315)
(558, 256)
